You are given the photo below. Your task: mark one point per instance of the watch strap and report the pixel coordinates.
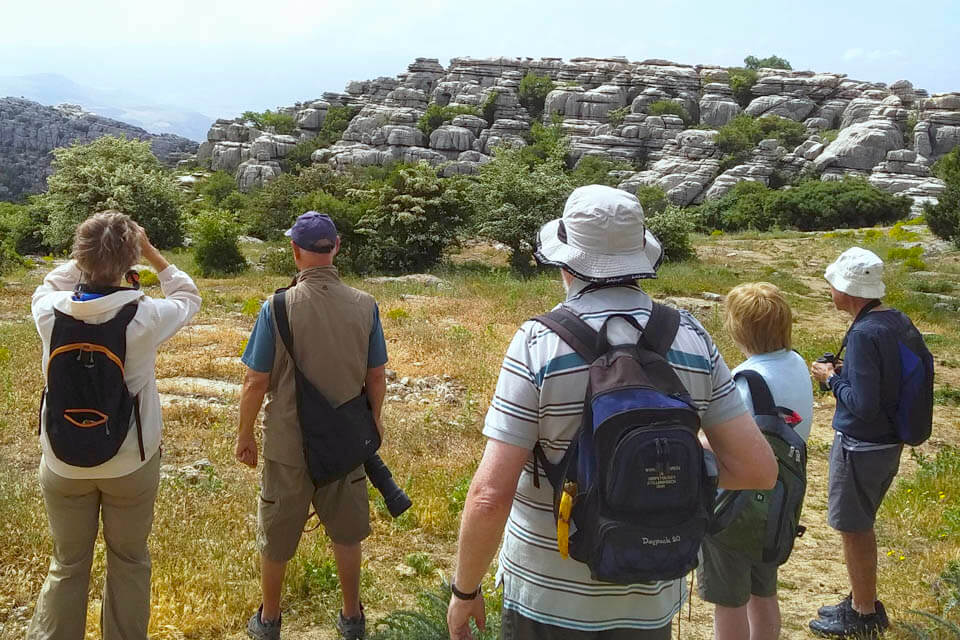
(463, 596)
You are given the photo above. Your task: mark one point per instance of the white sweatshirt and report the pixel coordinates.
(156, 321)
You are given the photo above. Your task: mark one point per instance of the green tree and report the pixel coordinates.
(741, 83)
(533, 92)
(282, 123)
(217, 186)
(511, 200)
(669, 107)
(546, 141)
(416, 217)
(22, 225)
(672, 228)
(771, 62)
(215, 246)
(596, 170)
(943, 218)
(110, 173)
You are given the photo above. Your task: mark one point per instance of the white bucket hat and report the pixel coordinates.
(857, 272)
(601, 237)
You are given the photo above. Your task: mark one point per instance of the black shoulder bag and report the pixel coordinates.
(335, 440)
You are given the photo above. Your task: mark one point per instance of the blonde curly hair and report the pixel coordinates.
(106, 245)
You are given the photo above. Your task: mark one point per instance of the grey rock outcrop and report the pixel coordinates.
(760, 168)
(689, 164)
(861, 146)
(29, 131)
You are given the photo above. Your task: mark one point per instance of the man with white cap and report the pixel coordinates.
(602, 248)
(866, 449)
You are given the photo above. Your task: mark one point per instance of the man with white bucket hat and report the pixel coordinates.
(866, 450)
(602, 248)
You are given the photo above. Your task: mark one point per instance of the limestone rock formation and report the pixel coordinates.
(29, 131)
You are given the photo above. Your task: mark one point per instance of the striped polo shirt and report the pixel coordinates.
(539, 398)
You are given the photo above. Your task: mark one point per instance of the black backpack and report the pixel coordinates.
(87, 403)
(765, 524)
(645, 487)
(336, 440)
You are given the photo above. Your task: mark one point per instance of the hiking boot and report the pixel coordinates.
(832, 610)
(260, 630)
(352, 628)
(848, 623)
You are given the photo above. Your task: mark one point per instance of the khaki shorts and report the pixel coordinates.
(728, 578)
(286, 494)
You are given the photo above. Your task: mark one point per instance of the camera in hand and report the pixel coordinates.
(381, 478)
(829, 358)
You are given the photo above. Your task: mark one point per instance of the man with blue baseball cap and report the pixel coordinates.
(339, 345)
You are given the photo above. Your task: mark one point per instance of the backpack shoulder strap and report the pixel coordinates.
(279, 304)
(575, 332)
(763, 403)
(661, 329)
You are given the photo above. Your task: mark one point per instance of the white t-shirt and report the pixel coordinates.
(788, 379)
(539, 398)
(156, 321)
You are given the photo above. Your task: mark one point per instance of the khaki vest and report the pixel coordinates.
(330, 323)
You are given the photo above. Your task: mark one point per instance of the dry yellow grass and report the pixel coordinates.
(205, 573)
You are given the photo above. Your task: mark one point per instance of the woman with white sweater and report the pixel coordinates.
(100, 422)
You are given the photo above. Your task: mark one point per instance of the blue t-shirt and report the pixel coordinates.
(260, 347)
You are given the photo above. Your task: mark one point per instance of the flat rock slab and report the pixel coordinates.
(424, 279)
(194, 387)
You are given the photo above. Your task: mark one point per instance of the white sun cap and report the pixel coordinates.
(857, 272)
(601, 237)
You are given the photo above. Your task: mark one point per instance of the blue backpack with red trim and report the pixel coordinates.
(641, 485)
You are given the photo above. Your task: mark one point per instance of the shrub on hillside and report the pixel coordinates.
(671, 108)
(9, 258)
(22, 226)
(653, 199)
(436, 116)
(215, 246)
(334, 124)
(216, 187)
(280, 122)
(596, 170)
(851, 202)
(741, 82)
(416, 216)
(269, 210)
(944, 217)
(489, 108)
(672, 227)
(511, 201)
(533, 92)
(547, 141)
(279, 260)
(346, 212)
(110, 173)
(617, 116)
(771, 62)
(743, 133)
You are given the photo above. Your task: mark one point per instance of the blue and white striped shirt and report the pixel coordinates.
(539, 398)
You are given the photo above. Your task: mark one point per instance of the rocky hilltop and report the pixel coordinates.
(29, 131)
(890, 135)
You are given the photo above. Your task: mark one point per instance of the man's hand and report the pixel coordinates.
(821, 371)
(246, 451)
(459, 613)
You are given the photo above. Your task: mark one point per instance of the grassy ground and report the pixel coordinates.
(205, 574)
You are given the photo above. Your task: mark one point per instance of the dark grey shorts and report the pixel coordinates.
(514, 626)
(858, 482)
(729, 578)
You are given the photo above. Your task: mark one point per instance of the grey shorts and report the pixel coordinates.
(729, 578)
(286, 493)
(514, 626)
(858, 482)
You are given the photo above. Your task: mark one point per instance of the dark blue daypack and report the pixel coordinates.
(645, 487)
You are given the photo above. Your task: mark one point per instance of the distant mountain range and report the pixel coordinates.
(52, 89)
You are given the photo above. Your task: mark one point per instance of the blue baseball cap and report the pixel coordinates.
(313, 232)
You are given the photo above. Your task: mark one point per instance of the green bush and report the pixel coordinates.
(596, 170)
(110, 173)
(234, 202)
(216, 187)
(533, 92)
(346, 212)
(739, 136)
(851, 202)
(787, 132)
(546, 141)
(653, 199)
(436, 116)
(282, 123)
(672, 227)
(617, 116)
(269, 210)
(23, 226)
(489, 107)
(771, 62)
(829, 135)
(943, 218)
(9, 258)
(947, 168)
(741, 82)
(416, 217)
(743, 207)
(279, 260)
(215, 246)
(670, 108)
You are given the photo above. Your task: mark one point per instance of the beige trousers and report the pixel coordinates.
(74, 509)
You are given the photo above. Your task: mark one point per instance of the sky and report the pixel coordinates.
(222, 57)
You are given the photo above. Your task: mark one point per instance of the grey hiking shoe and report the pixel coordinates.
(352, 628)
(260, 630)
(832, 610)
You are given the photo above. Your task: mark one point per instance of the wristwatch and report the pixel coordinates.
(464, 596)
(829, 381)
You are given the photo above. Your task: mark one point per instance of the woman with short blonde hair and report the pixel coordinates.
(102, 460)
(758, 318)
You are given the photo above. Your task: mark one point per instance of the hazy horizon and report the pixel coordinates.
(220, 58)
